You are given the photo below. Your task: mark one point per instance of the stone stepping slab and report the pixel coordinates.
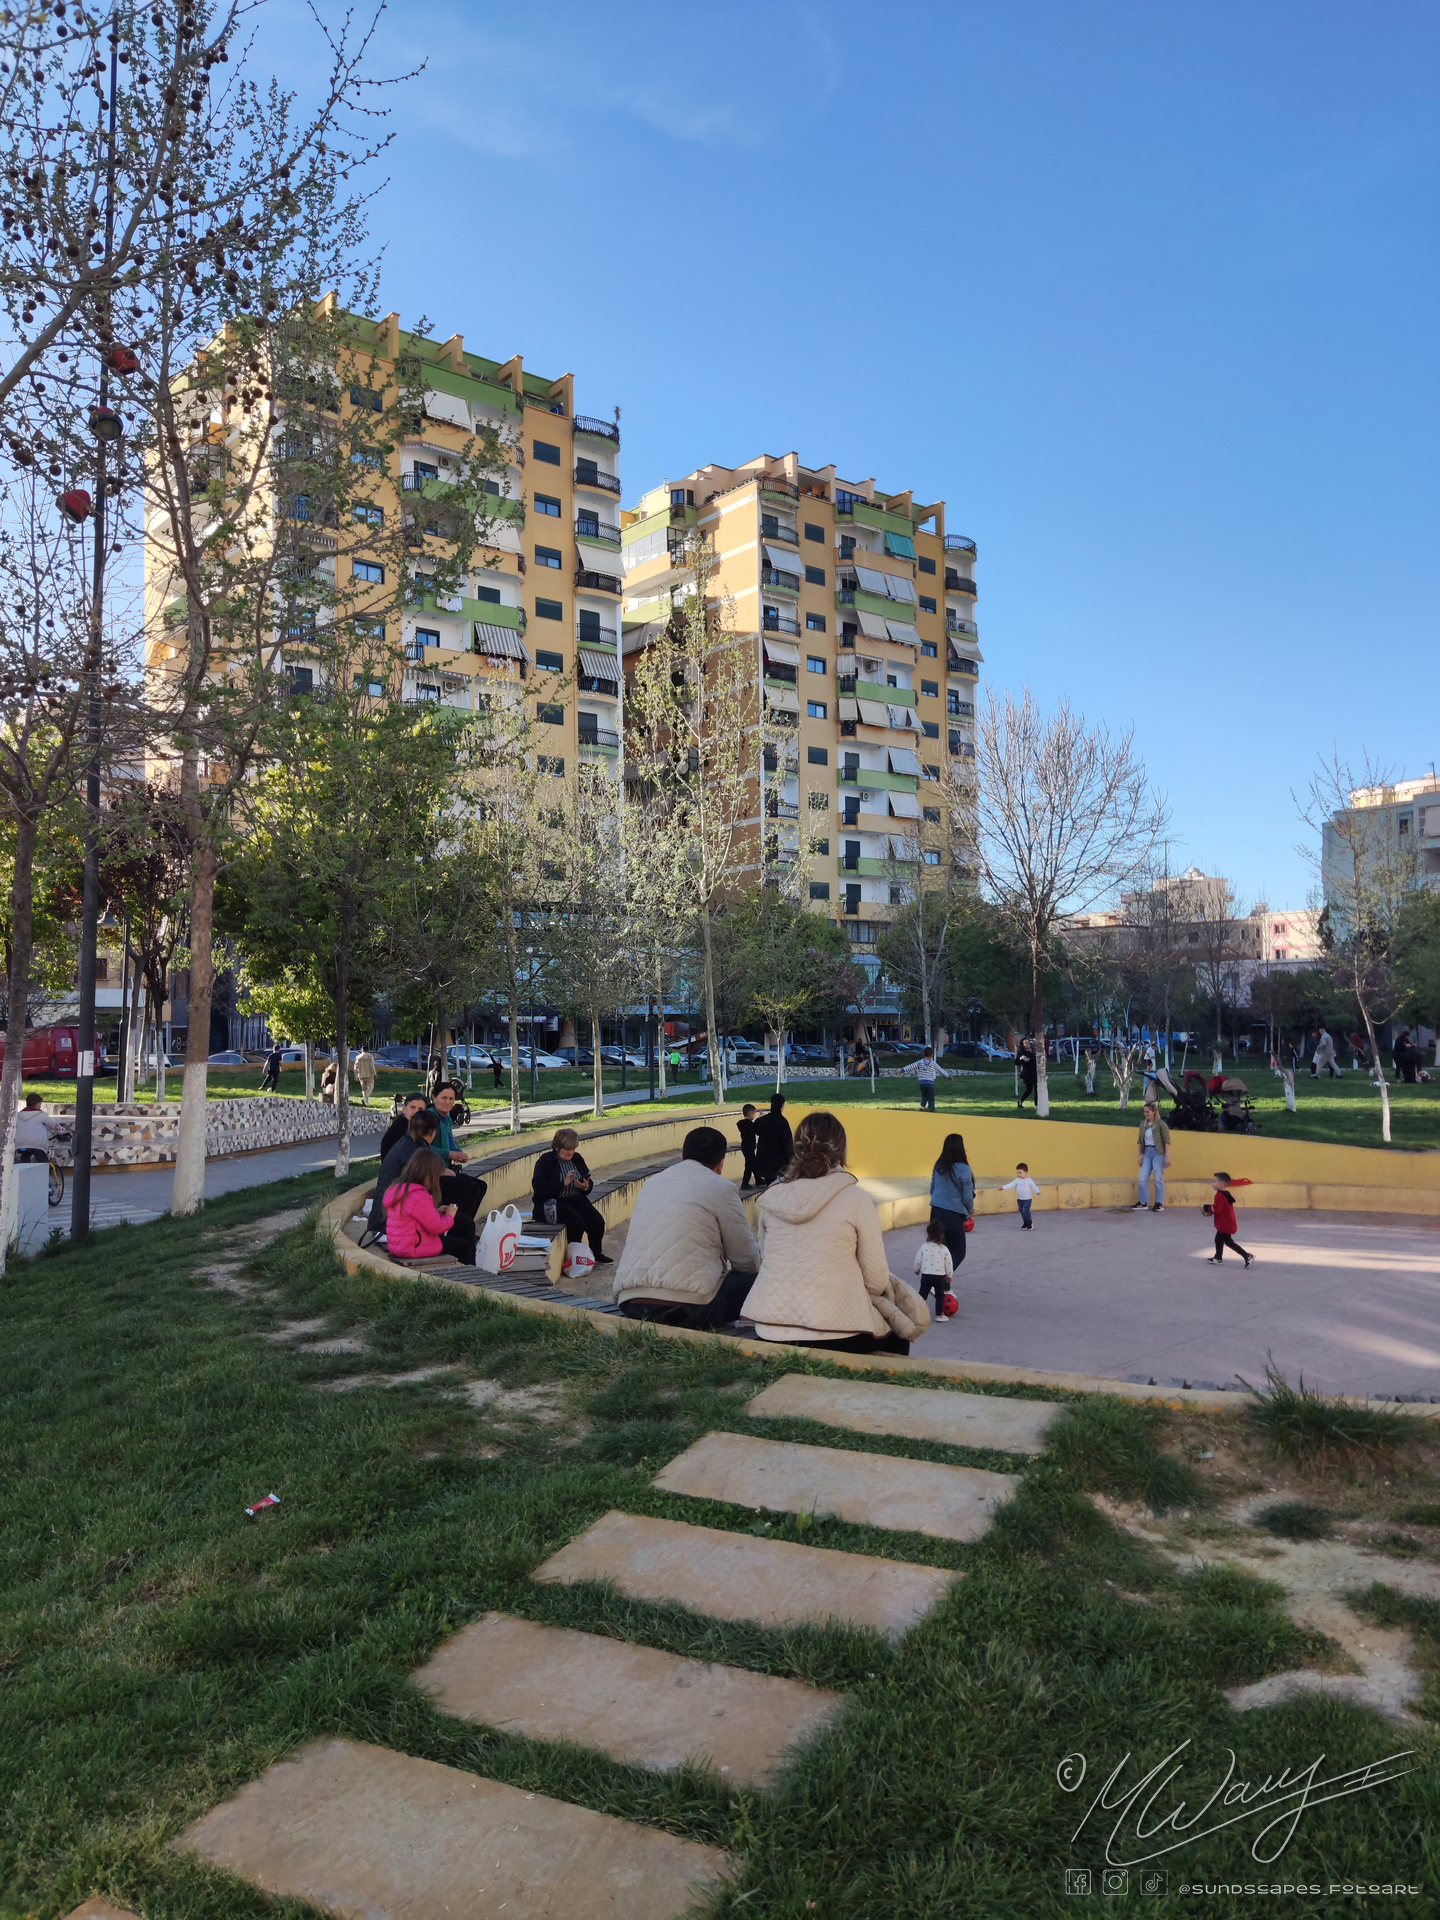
(739, 1576)
(914, 1413)
(373, 1835)
(98, 1909)
(870, 1489)
(639, 1705)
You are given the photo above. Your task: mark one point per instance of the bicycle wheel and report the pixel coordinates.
(57, 1184)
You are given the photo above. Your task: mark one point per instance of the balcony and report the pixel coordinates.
(607, 482)
(778, 670)
(602, 739)
(417, 482)
(959, 543)
(598, 582)
(607, 429)
(544, 403)
(784, 489)
(957, 663)
(954, 624)
(962, 749)
(787, 536)
(785, 582)
(588, 528)
(960, 709)
(781, 625)
(959, 583)
(777, 809)
(597, 637)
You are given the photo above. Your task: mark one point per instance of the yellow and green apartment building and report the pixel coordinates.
(544, 598)
(861, 607)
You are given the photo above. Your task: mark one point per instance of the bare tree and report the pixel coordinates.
(1059, 814)
(923, 887)
(1368, 869)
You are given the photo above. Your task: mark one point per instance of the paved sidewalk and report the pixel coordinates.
(1352, 1299)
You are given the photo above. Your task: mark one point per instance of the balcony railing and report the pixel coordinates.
(958, 583)
(415, 482)
(610, 482)
(786, 489)
(962, 749)
(598, 582)
(960, 709)
(959, 543)
(787, 582)
(782, 626)
(778, 670)
(544, 402)
(597, 637)
(604, 737)
(596, 530)
(785, 535)
(954, 624)
(957, 663)
(586, 423)
(781, 809)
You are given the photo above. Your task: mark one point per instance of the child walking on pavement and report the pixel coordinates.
(746, 1131)
(935, 1267)
(1026, 1190)
(1223, 1213)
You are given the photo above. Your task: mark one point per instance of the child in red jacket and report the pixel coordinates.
(1223, 1212)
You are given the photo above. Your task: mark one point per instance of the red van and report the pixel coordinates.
(49, 1052)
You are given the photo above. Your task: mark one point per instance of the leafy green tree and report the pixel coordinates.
(1417, 956)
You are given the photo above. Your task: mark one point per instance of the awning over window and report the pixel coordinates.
(871, 581)
(902, 760)
(902, 631)
(873, 713)
(849, 709)
(785, 559)
(904, 806)
(871, 625)
(600, 666)
(901, 588)
(904, 717)
(781, 651)
(500, 643)
(901, 545)
(782, 699)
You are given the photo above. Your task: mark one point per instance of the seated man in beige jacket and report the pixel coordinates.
(688, 1225)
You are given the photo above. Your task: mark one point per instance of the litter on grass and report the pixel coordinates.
(270, 1500)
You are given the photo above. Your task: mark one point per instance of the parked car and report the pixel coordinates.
(230, 1058)
(612, 1056)
(398, 1056)
(576, 1056)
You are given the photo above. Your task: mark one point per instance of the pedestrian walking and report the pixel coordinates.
(1026, 1192)
(270, 1078)
(746, 1131)
(935, 1267)
(498, 1068)
(1025, 1061)
(1223, 1214)
(925, 1070)
(364, 1071)
(774, 1142)
(1154, 1152)
(1323, 1058)
(952, 1194)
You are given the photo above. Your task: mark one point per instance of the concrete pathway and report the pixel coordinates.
(1350, 1299)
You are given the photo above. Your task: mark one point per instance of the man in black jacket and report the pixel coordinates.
(746, 1131)
(561, 1186)
(774, 1142)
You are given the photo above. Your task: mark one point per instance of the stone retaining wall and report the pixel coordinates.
(138, 1136)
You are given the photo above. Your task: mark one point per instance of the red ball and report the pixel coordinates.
(969, 1223)
(951, 1305)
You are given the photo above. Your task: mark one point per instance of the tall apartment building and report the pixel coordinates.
(543, 598)
(1409, 810)
(861, 610)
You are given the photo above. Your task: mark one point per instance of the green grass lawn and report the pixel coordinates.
(1345, 1110)
(157, 1649)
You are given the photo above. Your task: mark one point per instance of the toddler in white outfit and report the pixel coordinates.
(1025, 1192)
(934, 1266)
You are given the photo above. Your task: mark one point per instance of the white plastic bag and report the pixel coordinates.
(498, 1240)
(579, 1261)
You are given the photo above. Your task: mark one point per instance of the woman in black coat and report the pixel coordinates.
(560, 1185)
(1025, 1060)
(774, 1142)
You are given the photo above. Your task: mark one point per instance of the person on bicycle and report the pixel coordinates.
(33, 1132)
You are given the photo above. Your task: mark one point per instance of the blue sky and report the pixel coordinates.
(1146, 293)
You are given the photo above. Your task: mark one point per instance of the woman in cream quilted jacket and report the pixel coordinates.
(823, 1279)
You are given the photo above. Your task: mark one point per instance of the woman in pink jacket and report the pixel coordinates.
(415, 1222)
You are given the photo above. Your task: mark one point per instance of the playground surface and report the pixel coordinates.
(1352, 1300)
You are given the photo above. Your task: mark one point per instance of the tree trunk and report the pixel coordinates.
(309, 1071)
(342, 1060)
(1374, 1055)
(712, 1044)
(660, 1027)
(188, 1193)
(512, 964)
(22, 921)
(127, 1021)
(1037, 1024)
(597, 1070)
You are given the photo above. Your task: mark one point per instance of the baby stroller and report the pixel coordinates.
(1237, 1109)
(1191, 1111)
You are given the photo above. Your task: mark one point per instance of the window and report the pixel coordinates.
(815, 575)
(845, 501)
(930, 729)
(366, 397)
(302, 679)
(361, 457)
(930, 771)
(817, 709)
(925, 566)
(550, 662)
(368, 629)
(423, 472)
(681, 497)
(547, 557)
(367, 570)
(426, 637)
(489, 594)
(819, 889)
(368, 515)
(1404, 823)
(814, 664)
(547, 503)
(927, 605)
(931, 688)
(932, 858)
(822, 846)
(847, 546)
(544, 451)
(897, 896)
(812, 532)
(818, 756)
(552, 716)
(929, 650)
(550, 763)
(549, 610)
(815, 623)
(932, 814)
(373, 687)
